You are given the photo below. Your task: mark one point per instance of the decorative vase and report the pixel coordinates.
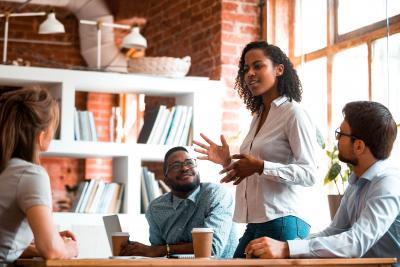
(334, 203)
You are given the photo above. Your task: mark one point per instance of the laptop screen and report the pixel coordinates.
(112, 224)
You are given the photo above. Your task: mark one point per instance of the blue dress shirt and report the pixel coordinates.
(367, 223)
(171, 219)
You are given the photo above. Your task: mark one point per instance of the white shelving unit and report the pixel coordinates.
(203, 94)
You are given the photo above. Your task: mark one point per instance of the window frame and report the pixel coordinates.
(280, 13)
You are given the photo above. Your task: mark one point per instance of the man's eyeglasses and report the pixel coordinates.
(339, 134)
(177, 166)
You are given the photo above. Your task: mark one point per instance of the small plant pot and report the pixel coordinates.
(334, 203)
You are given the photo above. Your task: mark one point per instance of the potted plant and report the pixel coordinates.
(338, 173)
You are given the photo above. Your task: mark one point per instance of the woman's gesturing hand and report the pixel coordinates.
(213, 152)
(245, 166)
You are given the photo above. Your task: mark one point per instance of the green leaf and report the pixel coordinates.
(333, 172)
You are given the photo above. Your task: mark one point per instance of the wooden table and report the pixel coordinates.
(162, 262)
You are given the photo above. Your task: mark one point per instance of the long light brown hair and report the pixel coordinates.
(24, 114)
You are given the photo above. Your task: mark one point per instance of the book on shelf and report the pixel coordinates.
(144, 204)
(85, 196)
(174, 125)
(92, 125)
(164, 126)
(150, 116)
(183, 141)
(164, 187)
(181, 124)
(96, 196)
(84, 126)
(92, 195)
(165, 130)
(120, 197)
(80, 191)
(116, 194)
(76, 125)
(160, 127)
(150, 188)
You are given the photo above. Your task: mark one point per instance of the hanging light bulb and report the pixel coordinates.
(51, 25)
(134, 39)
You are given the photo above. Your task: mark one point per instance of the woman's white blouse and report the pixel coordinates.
(287, 142)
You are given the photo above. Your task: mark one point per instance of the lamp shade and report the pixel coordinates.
(51, 25)
(134, 40)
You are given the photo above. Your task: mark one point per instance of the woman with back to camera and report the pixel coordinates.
(28, 119)
(277, 157)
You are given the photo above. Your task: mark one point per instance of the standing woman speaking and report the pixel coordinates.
(277, 157)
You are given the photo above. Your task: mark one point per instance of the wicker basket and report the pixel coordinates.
(164, 66)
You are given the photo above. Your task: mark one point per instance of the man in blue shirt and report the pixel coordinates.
(190, 204)
(367, 223)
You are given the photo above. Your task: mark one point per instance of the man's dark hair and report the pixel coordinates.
(373, 123)
(169, 152)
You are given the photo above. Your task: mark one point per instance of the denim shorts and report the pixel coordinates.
(284, 228)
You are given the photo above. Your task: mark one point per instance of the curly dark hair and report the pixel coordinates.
(288, 83)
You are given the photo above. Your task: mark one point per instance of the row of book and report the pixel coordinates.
(165, 126)
(96, 196)
(84, 126)
(150, 188)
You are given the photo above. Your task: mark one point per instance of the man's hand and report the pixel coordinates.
(72, 247)
(239, 170)
(139, 249)
(67, 234)
(267, 248)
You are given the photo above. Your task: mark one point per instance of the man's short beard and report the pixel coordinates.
(186, 187)
(353, 162)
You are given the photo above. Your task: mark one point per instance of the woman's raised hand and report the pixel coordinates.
(213, 152)
(239, 170)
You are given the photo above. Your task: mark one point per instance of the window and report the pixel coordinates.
(349, 80)
(344, 50)
(385, 70)
(310, 15)
(313, 77)
(358, 44)
(356, 14)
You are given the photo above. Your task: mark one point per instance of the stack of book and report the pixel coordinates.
(96, 196)
(164, 126)
(150, 188)
(84, 126)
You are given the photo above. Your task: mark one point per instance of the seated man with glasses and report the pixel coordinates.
(367, 223)
(190, 204)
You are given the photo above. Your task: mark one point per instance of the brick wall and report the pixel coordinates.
(211, 32)
(240, 25)
(64, 52)
(60, 51)
(179, 28)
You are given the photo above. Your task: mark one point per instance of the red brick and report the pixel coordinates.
(229, 115)
(252, 30)
(227, 27)
(232, 127)
(229, 6)
(231, 105)
(242, 18)
(250, 9)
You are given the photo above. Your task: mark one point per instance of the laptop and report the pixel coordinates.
(112, 224)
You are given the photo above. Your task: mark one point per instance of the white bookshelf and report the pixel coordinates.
(204, 95)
